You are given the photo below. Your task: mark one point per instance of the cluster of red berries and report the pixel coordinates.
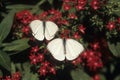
(15, 76)
(24, 17)
(80, 4)
(37, 58)
(112, 25)
(90, 59)
(46, 68)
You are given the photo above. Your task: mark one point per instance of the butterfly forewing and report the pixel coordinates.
(73, 49)
(37, 29)
(56, 48)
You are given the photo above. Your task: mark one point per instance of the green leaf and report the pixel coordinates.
(102, 77)
(117, 77)
(13, 69)
(34, 77)
(27, 74)
(17, 45)
(50, 1)
(114, 48)
(19, 6)
(36, 7)
(79, 75)
(6, 25)
(1, 74)
(30, 76)
(5, 61)
(19, 67)
(26, 66)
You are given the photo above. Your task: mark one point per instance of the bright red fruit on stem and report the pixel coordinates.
(52, 70)
(82, 29)
(35, 49)
(33, 59)
(81, 4)
(40, 57)
(24, 17)
(96, 77)
(66, 7)
(43, 71)
(26, 30)
(95, 4)
(111, 26)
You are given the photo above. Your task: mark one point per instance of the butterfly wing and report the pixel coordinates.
(50, 30)
(37, 29)
(56, 48)
(73, 49)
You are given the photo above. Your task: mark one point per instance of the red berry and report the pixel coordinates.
(24, 17)
(46, 64)
(42, 71)
(40, 57)
(111, 25)
(96, 77)
(7, 78)
(79, 7)
(72, 16)
(52, 70)
(43, 15)
(76, 35)
(95, 46)
(95, 4)
(77, 61)
(16, 76)
(25, 30)
(35, 49)
(52, 11)
(66, 7)
(81, 4)
(66, 1)
(82, 29)
(33, 59)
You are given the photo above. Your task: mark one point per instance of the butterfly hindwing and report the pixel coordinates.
(37, 29)
(50, 30)
(56, 48)
(73, 49)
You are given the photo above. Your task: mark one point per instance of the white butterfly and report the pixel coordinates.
(62, 49)
(41, 30)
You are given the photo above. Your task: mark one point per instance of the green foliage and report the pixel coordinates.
(114, 48)
(117, 78)
(102, 77)
(19, 7)
(17, 45)
(27, 74)
(79, 75)
(13, 68)
(6, 24)
(5, 61)
(1, 73)
(50, 1)
(36, 8)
